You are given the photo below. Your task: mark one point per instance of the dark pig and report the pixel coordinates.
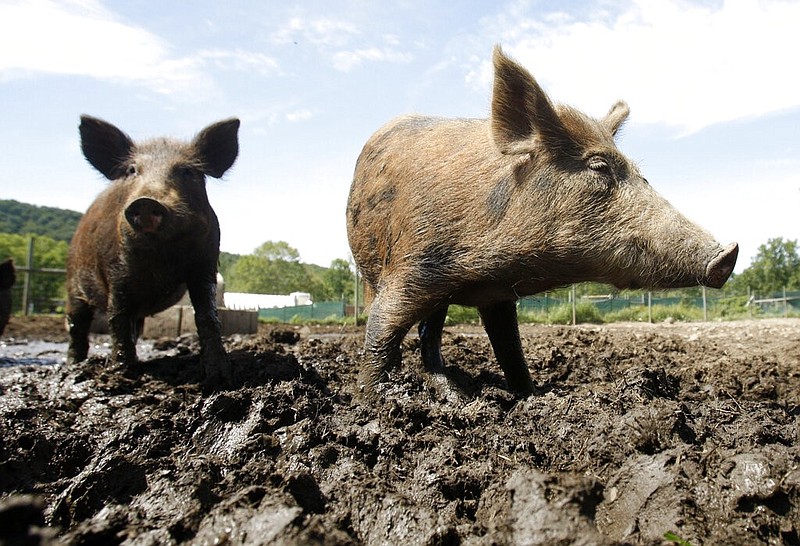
(7, 278)
(481, 212)
(149, 237)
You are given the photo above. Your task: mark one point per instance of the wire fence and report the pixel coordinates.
(38, 291)
(657, 306)
(42, 290)
(328, 310)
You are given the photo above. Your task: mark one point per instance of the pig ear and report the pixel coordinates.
(218, 145)
(522, 114)
(104, 146)
(616, 116)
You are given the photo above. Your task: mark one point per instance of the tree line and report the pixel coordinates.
(275, 267)
(22, 218)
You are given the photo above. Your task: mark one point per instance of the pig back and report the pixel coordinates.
(420, 186)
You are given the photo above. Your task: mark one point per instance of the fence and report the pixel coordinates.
(610, 303)
(37, 295)
(36, 286)
(41, 290)
(315, 311)
(712, 304)
(783, 304)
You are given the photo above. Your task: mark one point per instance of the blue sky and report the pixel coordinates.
(713, 90)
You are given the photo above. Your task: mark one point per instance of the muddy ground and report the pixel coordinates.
(637, 431)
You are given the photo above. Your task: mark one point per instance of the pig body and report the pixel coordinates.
(481, 212)
(7, 278)
(148, 237)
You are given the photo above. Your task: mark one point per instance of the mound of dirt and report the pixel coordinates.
(636, 431)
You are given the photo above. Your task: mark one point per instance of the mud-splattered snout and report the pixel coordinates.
(720, 268)
(146, 215)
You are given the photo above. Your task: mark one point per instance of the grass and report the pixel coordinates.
(669, 535)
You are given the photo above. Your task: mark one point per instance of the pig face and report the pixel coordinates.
(600, 215)
(164, 179)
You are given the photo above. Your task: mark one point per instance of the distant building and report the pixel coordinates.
(244, 301)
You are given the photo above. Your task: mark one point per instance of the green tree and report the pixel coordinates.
(226, 263)
(48, 290)
(338, 281)
(277, 250)
(273, 268)
(776, 266)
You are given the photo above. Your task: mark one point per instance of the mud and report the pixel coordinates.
(636, 431)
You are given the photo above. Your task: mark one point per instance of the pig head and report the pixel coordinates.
(482, 212)
(148, 237)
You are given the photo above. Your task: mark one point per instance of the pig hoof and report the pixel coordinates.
(217, 376)
(370, 379)
(448, 390)
(132, 371)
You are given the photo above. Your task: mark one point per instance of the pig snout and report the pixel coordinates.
(146, 215)
(720, 268)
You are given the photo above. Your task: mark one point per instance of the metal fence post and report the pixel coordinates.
(355, 313)
(574, 294)
(26, 287)
(785, 304)
(705, 310)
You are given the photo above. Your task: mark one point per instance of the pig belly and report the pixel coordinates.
(156, 303)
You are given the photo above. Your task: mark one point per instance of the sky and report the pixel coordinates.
(713, 89)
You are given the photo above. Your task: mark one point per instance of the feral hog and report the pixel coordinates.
(481, 212)
(149, 237)
(7, 278)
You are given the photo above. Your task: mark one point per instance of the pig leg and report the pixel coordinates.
(138, 328)
(123, 337)
(79, 320)
(430, 340)
(500, 322)
(216, 365)
(387, 325)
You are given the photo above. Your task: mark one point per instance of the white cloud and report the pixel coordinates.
(299, 115)
(82, 38)
(240, 60)
(683, 64)
(321, 31)
(334, 39)
(345, 61)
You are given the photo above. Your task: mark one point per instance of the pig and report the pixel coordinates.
(147, 238)
(481, 212)
(7, 278)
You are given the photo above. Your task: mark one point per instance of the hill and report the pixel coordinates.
(21, 218)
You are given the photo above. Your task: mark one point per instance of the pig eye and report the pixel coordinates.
(131, 170)
(187, 173)
(600, 165)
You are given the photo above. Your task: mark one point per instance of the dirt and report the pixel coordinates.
(637, 430)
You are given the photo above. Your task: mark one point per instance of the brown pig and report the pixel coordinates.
(7, 277)
(481, 212)
(149, 237)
